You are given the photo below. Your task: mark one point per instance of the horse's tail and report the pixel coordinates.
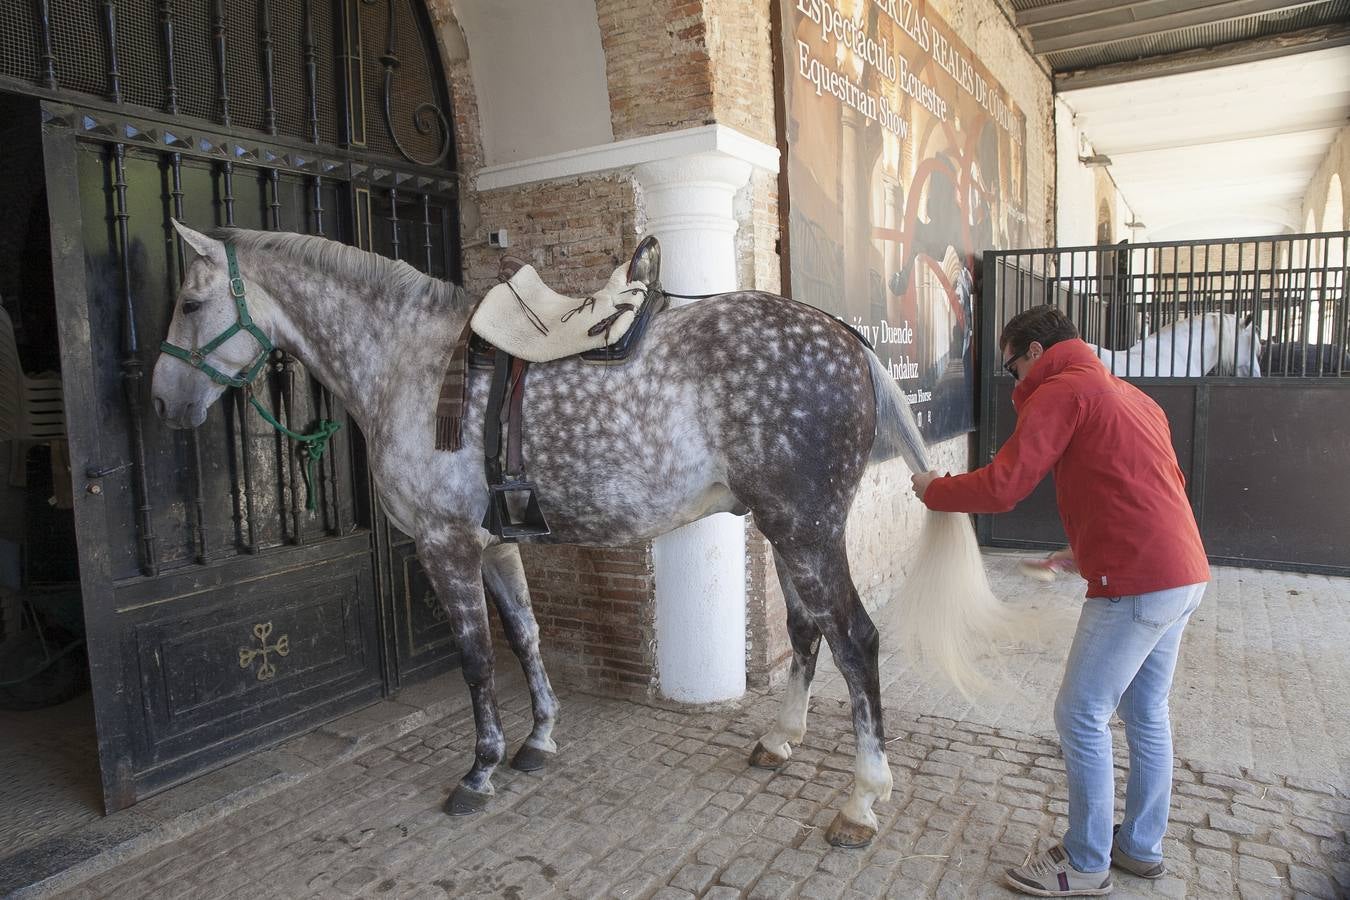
(947, 612)
(897, 429)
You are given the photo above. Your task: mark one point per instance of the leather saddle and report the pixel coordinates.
(644, 269)
(620, 313)
(529, 320)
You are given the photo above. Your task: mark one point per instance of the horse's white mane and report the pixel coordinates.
(399, 278)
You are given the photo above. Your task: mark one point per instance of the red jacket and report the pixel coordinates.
(1121, 496)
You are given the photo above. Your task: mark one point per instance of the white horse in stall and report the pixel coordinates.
(1190, 347)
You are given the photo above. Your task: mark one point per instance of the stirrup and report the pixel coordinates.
(498, 520)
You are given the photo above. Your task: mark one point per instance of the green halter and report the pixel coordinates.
(312, 445)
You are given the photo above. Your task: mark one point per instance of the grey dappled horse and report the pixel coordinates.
(747, 402)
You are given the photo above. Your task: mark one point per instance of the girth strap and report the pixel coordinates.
(515, 464)
(504, 406)
(492, 418)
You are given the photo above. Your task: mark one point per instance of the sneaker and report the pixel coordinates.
(1050, 875)
(1134, 866)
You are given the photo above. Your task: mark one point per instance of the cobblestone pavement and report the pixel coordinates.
(652, 801)
(1263, 680)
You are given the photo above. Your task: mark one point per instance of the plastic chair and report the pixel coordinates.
(32, 410)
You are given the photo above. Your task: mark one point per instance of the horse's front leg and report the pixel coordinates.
(504, 578)
(453, 561)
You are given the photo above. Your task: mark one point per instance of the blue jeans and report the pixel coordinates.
(1123, 656)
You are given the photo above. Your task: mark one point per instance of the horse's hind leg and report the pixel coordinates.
(775, 747)
(453, 562)
(826, 590)
(504, 578)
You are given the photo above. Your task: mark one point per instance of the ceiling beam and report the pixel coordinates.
(1231, 54)
(1106, 142)
(1159, 25)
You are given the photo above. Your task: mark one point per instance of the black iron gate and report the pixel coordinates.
(221, 615)
(1264, 457)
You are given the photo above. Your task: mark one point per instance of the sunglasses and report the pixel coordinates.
(1008, 366)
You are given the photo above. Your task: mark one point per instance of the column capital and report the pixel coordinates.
(712, 169)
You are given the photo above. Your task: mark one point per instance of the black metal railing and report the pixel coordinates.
(1251, 306)
(316, 70)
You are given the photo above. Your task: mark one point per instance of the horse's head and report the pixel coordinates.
(1235, 343)
(1247, 363)
(213, 342)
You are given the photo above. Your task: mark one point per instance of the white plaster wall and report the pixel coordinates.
(1075, 188)
(1315, 200)
(539, 74)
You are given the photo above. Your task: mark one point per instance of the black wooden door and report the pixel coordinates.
(221, 614)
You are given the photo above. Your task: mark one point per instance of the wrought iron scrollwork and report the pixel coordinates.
(426, 118)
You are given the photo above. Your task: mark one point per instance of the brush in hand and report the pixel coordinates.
(1046, 569)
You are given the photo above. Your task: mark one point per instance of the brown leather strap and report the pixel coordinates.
(454, 395)
(515, 464)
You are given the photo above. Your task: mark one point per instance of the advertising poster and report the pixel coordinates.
(905, 160)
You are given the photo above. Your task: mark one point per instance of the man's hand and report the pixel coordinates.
(920, 481)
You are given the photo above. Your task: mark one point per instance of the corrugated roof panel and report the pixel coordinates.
(1199, 36)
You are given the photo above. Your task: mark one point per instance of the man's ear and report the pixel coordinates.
(1036, 346)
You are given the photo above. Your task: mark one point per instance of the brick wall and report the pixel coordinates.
(574, 232)
(656, 61)
(596, 617)
(738, 36)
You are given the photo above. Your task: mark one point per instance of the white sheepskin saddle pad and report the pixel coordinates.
(529, 320)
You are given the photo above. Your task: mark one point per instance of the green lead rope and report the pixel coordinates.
(312, 446)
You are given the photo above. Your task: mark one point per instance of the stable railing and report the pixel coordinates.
(1252, 306)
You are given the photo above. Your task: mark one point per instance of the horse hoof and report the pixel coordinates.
(849, 835)
(765, 759)
(465, 802)
(530, 759)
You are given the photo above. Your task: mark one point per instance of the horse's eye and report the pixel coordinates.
(191, 306)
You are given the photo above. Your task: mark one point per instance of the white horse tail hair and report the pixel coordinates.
(946, 612)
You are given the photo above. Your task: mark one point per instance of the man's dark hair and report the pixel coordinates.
(1045, 324)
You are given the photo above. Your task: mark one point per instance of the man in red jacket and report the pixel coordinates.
(1131, 531)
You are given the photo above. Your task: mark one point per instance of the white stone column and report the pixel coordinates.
(700, 569)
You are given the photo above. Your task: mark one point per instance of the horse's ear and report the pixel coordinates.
(208, 248)
(1248, 321)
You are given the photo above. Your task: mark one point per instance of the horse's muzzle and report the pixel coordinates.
(181, 416)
